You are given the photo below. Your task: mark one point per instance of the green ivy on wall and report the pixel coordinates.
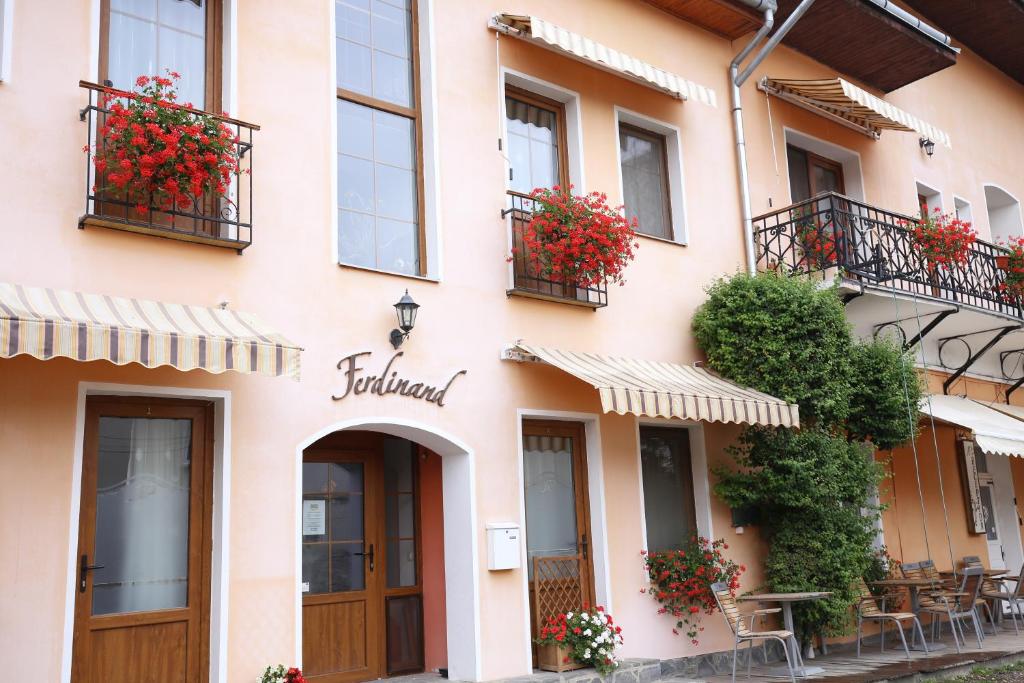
(813, 487)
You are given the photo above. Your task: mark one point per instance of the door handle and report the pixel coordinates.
(83, 571)
(368, 554)
(584, 546)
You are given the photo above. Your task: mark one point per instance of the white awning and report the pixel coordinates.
(994, 431)
(1016, 412)
(854, 107)
(573, 45)
(662, 389)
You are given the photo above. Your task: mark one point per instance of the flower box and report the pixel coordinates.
(1003, 262)
(556, 658)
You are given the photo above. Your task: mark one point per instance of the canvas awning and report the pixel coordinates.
(994, 431)
(854, 107)
(1016, 412)
(573, 45)
(51, 323)
(662, 389)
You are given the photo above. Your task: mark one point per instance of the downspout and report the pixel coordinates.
(736, 80)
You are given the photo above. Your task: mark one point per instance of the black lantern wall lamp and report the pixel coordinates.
(928, 145)
(406, 310)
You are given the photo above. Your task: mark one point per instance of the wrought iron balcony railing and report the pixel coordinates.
(832, 233)
(224, 221)
(528, 283)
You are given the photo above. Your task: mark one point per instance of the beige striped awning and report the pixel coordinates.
(661, 389)
(51, 323)
(844, 102)
(575, 46)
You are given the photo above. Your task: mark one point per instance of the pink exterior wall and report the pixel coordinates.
(290, 279)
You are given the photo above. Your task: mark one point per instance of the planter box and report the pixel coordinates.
(553, 658)
(1002, 262)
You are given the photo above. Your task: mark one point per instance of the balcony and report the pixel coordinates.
(527, 283)
(868, 247)
(222, 221)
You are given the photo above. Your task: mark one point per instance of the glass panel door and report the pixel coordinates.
(333, 532)
(142, 513)
(548, 469)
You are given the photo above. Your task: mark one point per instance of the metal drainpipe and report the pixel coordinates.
(736, 80)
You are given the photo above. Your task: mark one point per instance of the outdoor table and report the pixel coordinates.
(786, 600)
(914, 586)
(987, 573)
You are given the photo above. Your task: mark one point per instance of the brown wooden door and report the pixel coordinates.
(558, 534)
(362, 593)
(142, 608)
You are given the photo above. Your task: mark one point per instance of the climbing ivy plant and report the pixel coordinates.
(813, 486)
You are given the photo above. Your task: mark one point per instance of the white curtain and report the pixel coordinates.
(550, 497)
(142, 515)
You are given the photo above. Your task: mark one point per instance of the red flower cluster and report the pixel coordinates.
(159, 154)
(944, 239)
(577, 239)
(681, 580)
(1011, 288)
(817, 242)
(294, 675)
(589, 636)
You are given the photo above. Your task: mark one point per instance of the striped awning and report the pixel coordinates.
(994, 431)
(573, 45)
(661, 389)
(51, 323)
(855, 107)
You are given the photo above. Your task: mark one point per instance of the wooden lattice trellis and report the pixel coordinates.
(557, 586)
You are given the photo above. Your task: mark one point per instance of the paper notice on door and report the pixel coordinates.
(314, 517)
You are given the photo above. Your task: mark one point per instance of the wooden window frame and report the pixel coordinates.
(683, 434)
(416, 114)
(214, 63)
(643, 133)
(824, 162)
(558, 109)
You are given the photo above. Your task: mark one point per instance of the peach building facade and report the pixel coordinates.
(323, 521)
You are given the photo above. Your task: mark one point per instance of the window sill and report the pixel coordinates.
(527, 294)
(661, 239)
(365, 269)
(158, 231)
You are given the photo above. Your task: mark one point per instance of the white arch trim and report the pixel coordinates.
(461, 559)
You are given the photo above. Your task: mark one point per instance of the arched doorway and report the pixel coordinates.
(385, 526)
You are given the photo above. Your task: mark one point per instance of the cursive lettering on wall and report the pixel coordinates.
(388, 381)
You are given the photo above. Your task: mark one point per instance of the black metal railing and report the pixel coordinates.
(526, 279)
(831, 233)
(219, 220)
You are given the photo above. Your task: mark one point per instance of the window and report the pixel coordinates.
(6, 36)
(380, 184)
(145, 37)
(928, 199)
(962, 207)
(645, 189)
(668, 487)
(1004, 214)
(810, 174)
(536, 141)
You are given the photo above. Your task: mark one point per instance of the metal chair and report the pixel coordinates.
(930, 602)
(1012, 598)
(742, 634)
(867, 609)
(987, 586)
(960, 605)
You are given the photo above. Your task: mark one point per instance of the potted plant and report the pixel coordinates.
(816, 242)
(576, 239)
(279, 674)
(1011, 288)
(943, 240)
(574, 640)
(157, 154)
(681, 581)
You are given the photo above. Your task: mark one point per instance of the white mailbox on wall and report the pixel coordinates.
(503, 550)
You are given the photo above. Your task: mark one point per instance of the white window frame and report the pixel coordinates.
(699, 474)
(6, 38)
(673, 162)
(929, 191)
(962, 206)
(429, 147)
(1018, 230)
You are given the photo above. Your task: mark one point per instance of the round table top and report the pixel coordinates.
(786, 597)
(905, 582)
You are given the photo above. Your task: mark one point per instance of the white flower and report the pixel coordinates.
(584, 616)
(586, 653)
(587, 632)
(568, 615)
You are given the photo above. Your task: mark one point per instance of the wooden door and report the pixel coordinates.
(558, 534)
(142, 608)
(362, 614)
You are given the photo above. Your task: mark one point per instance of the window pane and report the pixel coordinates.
(315, 567)
(187, 53)
(401, 563)
(668, 487)
(142, 515)
(132, 50)
(348, 567)
(391, 29)
(375, 49)
(532, 145)
(354, 67)
(381, 186)
(405, 633)
(392, 78)
(644, 181)
(799, 183)
(353, 21)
